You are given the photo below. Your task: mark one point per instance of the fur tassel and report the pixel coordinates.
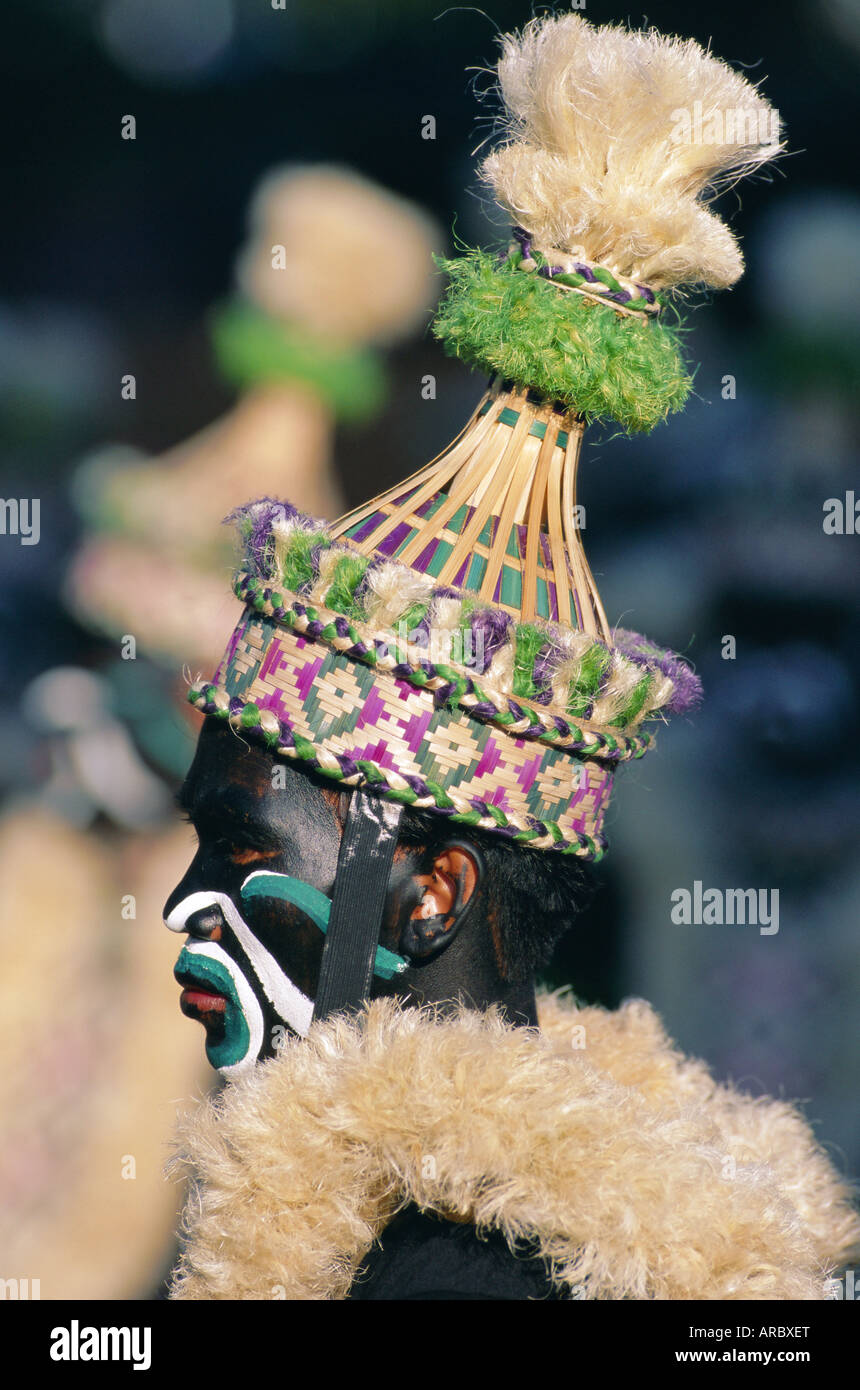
(329, 560)
(391, 591)
(500, 672)
(638, 1175)
(661, 694)
(445, 618)
(615, 139)
(617, 691)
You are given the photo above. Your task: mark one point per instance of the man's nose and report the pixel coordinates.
(203, 922)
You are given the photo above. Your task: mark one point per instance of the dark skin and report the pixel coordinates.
(439, 910)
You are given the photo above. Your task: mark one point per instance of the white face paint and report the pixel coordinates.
(285, 997)
(210, 950)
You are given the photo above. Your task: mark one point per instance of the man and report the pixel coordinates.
(413, 734)
(412, 1133)
(460, 908)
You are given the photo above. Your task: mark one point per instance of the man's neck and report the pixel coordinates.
(467, 972)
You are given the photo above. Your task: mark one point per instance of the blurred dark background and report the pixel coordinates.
(113, 252)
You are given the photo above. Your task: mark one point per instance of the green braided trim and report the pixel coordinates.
(251, 348)
(638, 303)
(601, 365)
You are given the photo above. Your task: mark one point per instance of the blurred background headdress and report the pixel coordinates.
(334, 270)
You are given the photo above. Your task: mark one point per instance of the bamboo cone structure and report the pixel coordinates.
(495, 513)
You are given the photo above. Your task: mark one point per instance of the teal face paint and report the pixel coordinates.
(232, 1047)
(312, 902)
(316, 906)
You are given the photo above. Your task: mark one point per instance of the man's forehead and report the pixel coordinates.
(222, 760)
(230, 776)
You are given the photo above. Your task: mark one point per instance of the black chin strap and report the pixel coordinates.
(358, 903)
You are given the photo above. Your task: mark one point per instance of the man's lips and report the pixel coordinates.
(203, 1001)
(199, 997)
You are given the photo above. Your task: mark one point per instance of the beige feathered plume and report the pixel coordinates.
(615, 141)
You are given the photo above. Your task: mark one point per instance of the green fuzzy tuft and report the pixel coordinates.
(414, 615)
(529, 641)
(347, 575)
(640, 694)
(298, 567)
(587, 683)
(600, 365)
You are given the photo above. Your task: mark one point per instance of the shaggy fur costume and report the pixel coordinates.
(636, 1174)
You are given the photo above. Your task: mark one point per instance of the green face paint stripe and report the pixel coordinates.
(386, 964)
(233, 1047)
(303, 895)
(316, 905)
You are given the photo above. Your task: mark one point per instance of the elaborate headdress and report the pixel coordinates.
(444, 646)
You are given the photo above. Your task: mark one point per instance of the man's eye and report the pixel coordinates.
(239, 845)
(241, 851)
(246, 855)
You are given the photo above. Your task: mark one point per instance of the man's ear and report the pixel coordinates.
(446, 893)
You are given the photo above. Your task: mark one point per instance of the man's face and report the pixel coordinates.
(253, 898)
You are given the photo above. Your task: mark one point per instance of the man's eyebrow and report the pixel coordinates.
(221, 804)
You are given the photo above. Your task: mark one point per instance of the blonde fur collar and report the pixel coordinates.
(638, 1175)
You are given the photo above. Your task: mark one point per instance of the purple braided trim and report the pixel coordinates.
(619, 296)
(582, 268)
(483, 710)
(442, 695)
(524, 238)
